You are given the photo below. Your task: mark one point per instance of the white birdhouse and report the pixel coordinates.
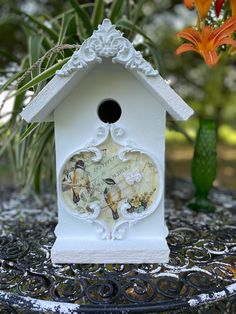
(109, 109)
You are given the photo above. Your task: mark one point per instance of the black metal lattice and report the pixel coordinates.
(200, 276)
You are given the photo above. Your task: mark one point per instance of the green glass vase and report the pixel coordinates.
(204, 166)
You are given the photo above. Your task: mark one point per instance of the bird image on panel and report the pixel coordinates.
(80, 181)
(112, 195)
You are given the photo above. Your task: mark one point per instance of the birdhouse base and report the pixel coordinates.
(85, 251)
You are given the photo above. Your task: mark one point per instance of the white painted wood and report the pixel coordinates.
(83, 60)
(50, 96)
(95, 251)
(76, 119)
(143, 120)
(166, 96)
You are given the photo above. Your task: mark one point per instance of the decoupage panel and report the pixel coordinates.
(109, 184)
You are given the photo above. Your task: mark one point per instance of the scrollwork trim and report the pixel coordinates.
(106, 42)
(129, 219)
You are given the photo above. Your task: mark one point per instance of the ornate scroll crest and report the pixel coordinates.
(106, 42)
(110, 182)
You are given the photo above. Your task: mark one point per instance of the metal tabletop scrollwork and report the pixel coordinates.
(199, 278)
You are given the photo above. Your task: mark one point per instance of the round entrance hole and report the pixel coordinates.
(109, 111)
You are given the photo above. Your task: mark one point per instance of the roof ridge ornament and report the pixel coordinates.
(107, 42)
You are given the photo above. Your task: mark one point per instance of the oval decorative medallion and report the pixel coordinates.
(110, 184)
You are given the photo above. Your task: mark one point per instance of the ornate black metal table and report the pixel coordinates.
(200, 277)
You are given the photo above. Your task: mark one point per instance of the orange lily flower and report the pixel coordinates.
(203, 6)
(208, 40)
(189, 3)
(233, 7)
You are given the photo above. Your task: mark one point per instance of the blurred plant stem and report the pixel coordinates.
(204, 165)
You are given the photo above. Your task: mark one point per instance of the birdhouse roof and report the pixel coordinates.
(105, 42)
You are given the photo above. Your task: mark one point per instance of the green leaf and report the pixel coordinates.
(72, 37)
(8, 56)
(46, 43)
(116, 10)
(98, 12)
(60, 16)
(83, 15)
(28, 131)
(66, 19)
(37, 177)
(35, 48)
(11, 80)
(20, 149)
(157, 59)
(39, 24)
(55, 23)
(38, 149)
(7, 141)
(19, 99)
(138, 10)
(80, 29)
(41, 77)
(128, 8)
(126, 24)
